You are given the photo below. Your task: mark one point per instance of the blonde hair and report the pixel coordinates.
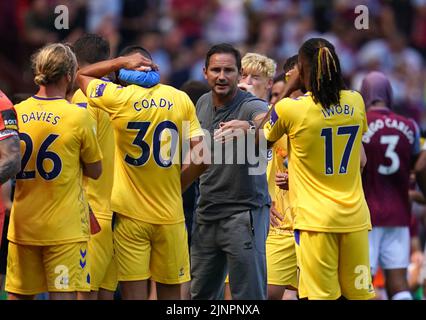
(52, 62)
(257, 62)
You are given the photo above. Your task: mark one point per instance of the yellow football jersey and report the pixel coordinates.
(149, 125)
(49, 206)
(99, 191)
(324, 161)
(276, 157)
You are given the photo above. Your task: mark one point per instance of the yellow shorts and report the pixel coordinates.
(103, 265)
(144, 250)
(57, 268)
(333, 265)
(281, 259)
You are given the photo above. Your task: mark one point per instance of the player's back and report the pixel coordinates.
(390, 144)
(149, 126)
(48, 196)
(324, 163)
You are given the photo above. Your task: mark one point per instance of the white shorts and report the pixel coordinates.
(389, 248)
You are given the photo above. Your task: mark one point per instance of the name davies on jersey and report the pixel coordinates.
(40, 116)
(152, 103)
(375, 126)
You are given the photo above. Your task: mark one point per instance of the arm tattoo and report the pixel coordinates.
(10, 158)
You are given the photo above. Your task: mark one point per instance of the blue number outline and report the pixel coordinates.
(156, 143)
(26, 157)
(327, 133)
(351, 131)
(142, 128)
(42, 154)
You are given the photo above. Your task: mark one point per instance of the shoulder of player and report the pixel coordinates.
(78, 108)
(79, 99)
(204, 98)
(290, 102)
(157, 89)
(409, 121)
(165, 88)
(27, 103)
(255, 102)
(351, 94)
(97, 87)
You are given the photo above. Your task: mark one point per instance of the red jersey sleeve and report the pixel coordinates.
(8, 118)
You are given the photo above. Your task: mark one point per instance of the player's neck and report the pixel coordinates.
(51, 91)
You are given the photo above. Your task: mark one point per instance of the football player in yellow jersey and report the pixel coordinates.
(150, 126)
(332, 219)
(280, 244)
(91, 48)
(49, 226)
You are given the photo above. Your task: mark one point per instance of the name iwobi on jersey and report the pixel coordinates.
(338, 110)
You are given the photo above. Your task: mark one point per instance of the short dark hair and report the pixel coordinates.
(290, 63)
(91, 48)
(133, 49)
(224, 48)
(195, 89)
(280, 77)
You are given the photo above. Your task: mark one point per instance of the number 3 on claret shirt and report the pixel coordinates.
(142, 128)
(327, 133)
(42, 154)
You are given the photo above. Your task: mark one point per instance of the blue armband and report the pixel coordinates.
(141, 78)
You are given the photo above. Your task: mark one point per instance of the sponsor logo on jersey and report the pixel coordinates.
(99, 90)
(269, 154)
(9, 119)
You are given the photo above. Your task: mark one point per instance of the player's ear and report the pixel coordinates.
(270, 84)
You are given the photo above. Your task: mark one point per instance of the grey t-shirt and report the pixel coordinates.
(226, 189)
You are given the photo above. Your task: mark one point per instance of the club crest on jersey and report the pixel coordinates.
(274, 117)
(99, 90)
(9, 120)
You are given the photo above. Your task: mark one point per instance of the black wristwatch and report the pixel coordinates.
(252, 126)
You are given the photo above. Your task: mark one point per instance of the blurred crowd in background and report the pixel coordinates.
(179, 32)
